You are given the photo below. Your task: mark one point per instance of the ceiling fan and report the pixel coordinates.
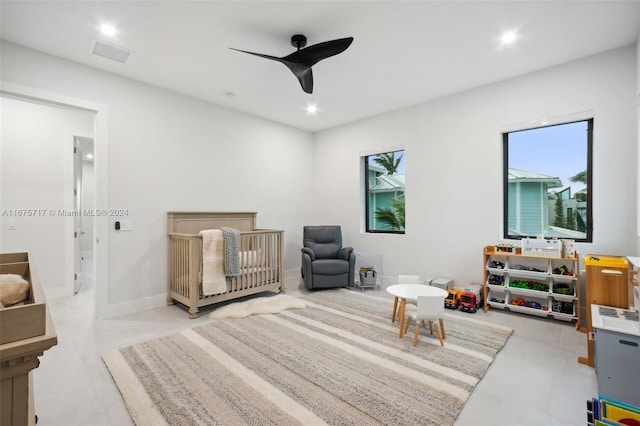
(301, 61)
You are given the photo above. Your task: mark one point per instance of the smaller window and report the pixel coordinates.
(385, 192)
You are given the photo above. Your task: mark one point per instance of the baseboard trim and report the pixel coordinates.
(291, 277)
(57, 292)
(132, 306)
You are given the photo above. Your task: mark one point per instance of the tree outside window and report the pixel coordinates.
(385, 192)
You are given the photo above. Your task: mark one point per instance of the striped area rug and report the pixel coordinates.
(339, 361)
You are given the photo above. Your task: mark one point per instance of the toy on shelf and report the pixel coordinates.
(520, 301)
(562, 307)
(562, 270)
(564, 289)
(542, 247)
(505, 248)
(496, 264)
(529, 285)
(496, 280)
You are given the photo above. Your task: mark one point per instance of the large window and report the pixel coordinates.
(384, 192)
(547, 182)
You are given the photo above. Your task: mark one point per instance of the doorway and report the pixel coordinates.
(83, 193)
(97, 301)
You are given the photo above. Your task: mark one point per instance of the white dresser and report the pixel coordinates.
(617, 353)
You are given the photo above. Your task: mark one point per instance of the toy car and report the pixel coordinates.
(452, 299)
(471, 299)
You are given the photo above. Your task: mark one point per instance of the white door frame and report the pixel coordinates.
(101, 225)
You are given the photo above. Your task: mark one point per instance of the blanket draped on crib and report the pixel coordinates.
(231, 238)
(214, 280)
(220, 258)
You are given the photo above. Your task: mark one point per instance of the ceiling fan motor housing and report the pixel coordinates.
(298, 41)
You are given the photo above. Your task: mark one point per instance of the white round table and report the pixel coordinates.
(411, 292)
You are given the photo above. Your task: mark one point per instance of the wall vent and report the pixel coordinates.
(110, 51)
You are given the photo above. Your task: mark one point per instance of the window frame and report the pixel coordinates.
(366, 188)
(589, 181)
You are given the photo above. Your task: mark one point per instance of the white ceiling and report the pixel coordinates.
(403, 53)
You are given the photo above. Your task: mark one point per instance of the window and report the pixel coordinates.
(384, 192)
(547, 182)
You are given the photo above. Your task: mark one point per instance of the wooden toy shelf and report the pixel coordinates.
(531, 284)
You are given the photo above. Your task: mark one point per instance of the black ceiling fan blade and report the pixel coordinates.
(274, 58)
(306, 81)
(313, 54)
(302, 72)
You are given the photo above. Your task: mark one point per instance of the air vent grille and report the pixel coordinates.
(110, 51)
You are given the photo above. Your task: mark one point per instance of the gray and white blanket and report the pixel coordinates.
(231, 238)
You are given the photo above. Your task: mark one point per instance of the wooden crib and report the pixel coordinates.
(260, 253)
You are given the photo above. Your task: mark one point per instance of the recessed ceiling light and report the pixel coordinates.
(312, 109)
(509, 37)
(108, 30)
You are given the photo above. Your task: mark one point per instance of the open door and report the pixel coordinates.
(77, 203)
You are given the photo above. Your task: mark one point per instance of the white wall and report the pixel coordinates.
(171, 152)
(454, 165)
(35, 182)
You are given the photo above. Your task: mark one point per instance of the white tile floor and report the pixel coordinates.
(534, 380)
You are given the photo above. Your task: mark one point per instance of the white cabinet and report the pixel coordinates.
(534, 285)
(617, 352)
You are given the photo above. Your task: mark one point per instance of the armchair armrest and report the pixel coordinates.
(309, 252)
(345, 252)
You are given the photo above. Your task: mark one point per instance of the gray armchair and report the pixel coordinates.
(325, 263)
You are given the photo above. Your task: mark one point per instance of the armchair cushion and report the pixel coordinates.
(330, 267)
(324, 241)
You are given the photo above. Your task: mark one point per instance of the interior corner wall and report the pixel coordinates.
(453, 148)
(170, 152)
